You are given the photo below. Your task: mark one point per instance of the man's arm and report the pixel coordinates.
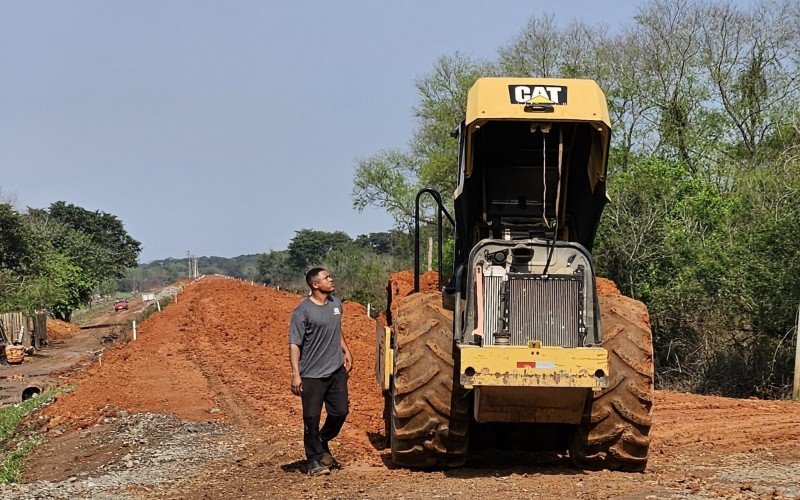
(294, 359)
(296, 330)
(348, 358)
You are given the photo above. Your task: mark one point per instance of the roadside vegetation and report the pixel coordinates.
(57, 258)
(14, 450)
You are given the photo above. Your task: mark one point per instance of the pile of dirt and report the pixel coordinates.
(402, 283)
(606, 287)
(60, 330)
(221, 352)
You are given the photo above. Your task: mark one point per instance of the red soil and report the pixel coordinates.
(60, 330)
(401, 284)
(224, 346)
(606, 287)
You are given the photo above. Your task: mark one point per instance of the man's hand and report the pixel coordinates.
(348, 361)
(294, 358)
(297, 385)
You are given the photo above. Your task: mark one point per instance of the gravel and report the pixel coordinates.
(167, 450)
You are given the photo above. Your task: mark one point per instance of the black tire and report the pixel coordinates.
(429, 420)
(387, 417)
(615, 431)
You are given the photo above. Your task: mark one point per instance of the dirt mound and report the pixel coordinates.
(221, 352)
(60, 330)
(606, 287)
(401, 284)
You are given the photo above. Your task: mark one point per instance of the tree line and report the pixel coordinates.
(360, 265)
(56, 258)
(704, 174)
(163, 272)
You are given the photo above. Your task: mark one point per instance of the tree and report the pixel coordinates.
(750, 58)
(360, 273)
(116, 250)
(274, 268)
(53, 259)
(13, 246)
(309, 247)
(395, 243)
(391, 179)
(63, 288)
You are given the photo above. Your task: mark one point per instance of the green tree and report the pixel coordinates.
(274, 269)
(310, 247)
(396, 243)
(116, 250)
(13, 246)
(391, 179)
(361, 274)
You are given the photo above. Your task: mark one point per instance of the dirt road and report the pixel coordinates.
(200, 406)
(69, 350)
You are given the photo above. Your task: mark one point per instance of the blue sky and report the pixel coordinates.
(223, 127)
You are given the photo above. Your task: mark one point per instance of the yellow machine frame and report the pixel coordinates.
(523, 366)
(531, 383)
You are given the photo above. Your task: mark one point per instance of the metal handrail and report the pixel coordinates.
(437, 197)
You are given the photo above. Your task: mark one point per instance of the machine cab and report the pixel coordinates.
(531, 188)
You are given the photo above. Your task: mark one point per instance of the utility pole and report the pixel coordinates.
(194, 268)
(430, 252)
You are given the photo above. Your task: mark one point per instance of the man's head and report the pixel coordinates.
(320, 279)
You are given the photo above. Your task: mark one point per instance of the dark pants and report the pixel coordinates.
(332, 391)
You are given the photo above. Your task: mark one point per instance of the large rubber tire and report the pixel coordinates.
(615, 431)
(429, 419)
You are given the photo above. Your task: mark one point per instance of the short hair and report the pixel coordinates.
(311, 274)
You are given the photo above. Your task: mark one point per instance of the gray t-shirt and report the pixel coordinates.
(318, 331)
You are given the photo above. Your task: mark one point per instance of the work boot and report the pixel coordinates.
(327, 458)
(315, 468)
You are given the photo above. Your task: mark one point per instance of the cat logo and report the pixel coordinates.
(537, 94)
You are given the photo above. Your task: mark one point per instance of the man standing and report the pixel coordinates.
(321, 363)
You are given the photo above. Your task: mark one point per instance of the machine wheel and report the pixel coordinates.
(429, 420)
(615, 431)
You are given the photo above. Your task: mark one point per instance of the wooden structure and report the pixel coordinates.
(28, 331)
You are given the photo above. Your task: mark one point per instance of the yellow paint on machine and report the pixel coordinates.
(384, 356)
(488, 99)
(522, 366)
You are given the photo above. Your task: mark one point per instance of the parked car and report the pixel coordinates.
(120, 304)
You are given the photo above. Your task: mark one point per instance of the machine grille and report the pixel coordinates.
(546, 309)
(492, 288)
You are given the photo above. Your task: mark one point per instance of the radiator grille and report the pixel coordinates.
(492, 288)
(549, 310)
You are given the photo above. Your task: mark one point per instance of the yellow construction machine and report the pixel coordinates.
(520, 334)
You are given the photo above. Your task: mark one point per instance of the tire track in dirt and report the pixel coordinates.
(726, 424)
